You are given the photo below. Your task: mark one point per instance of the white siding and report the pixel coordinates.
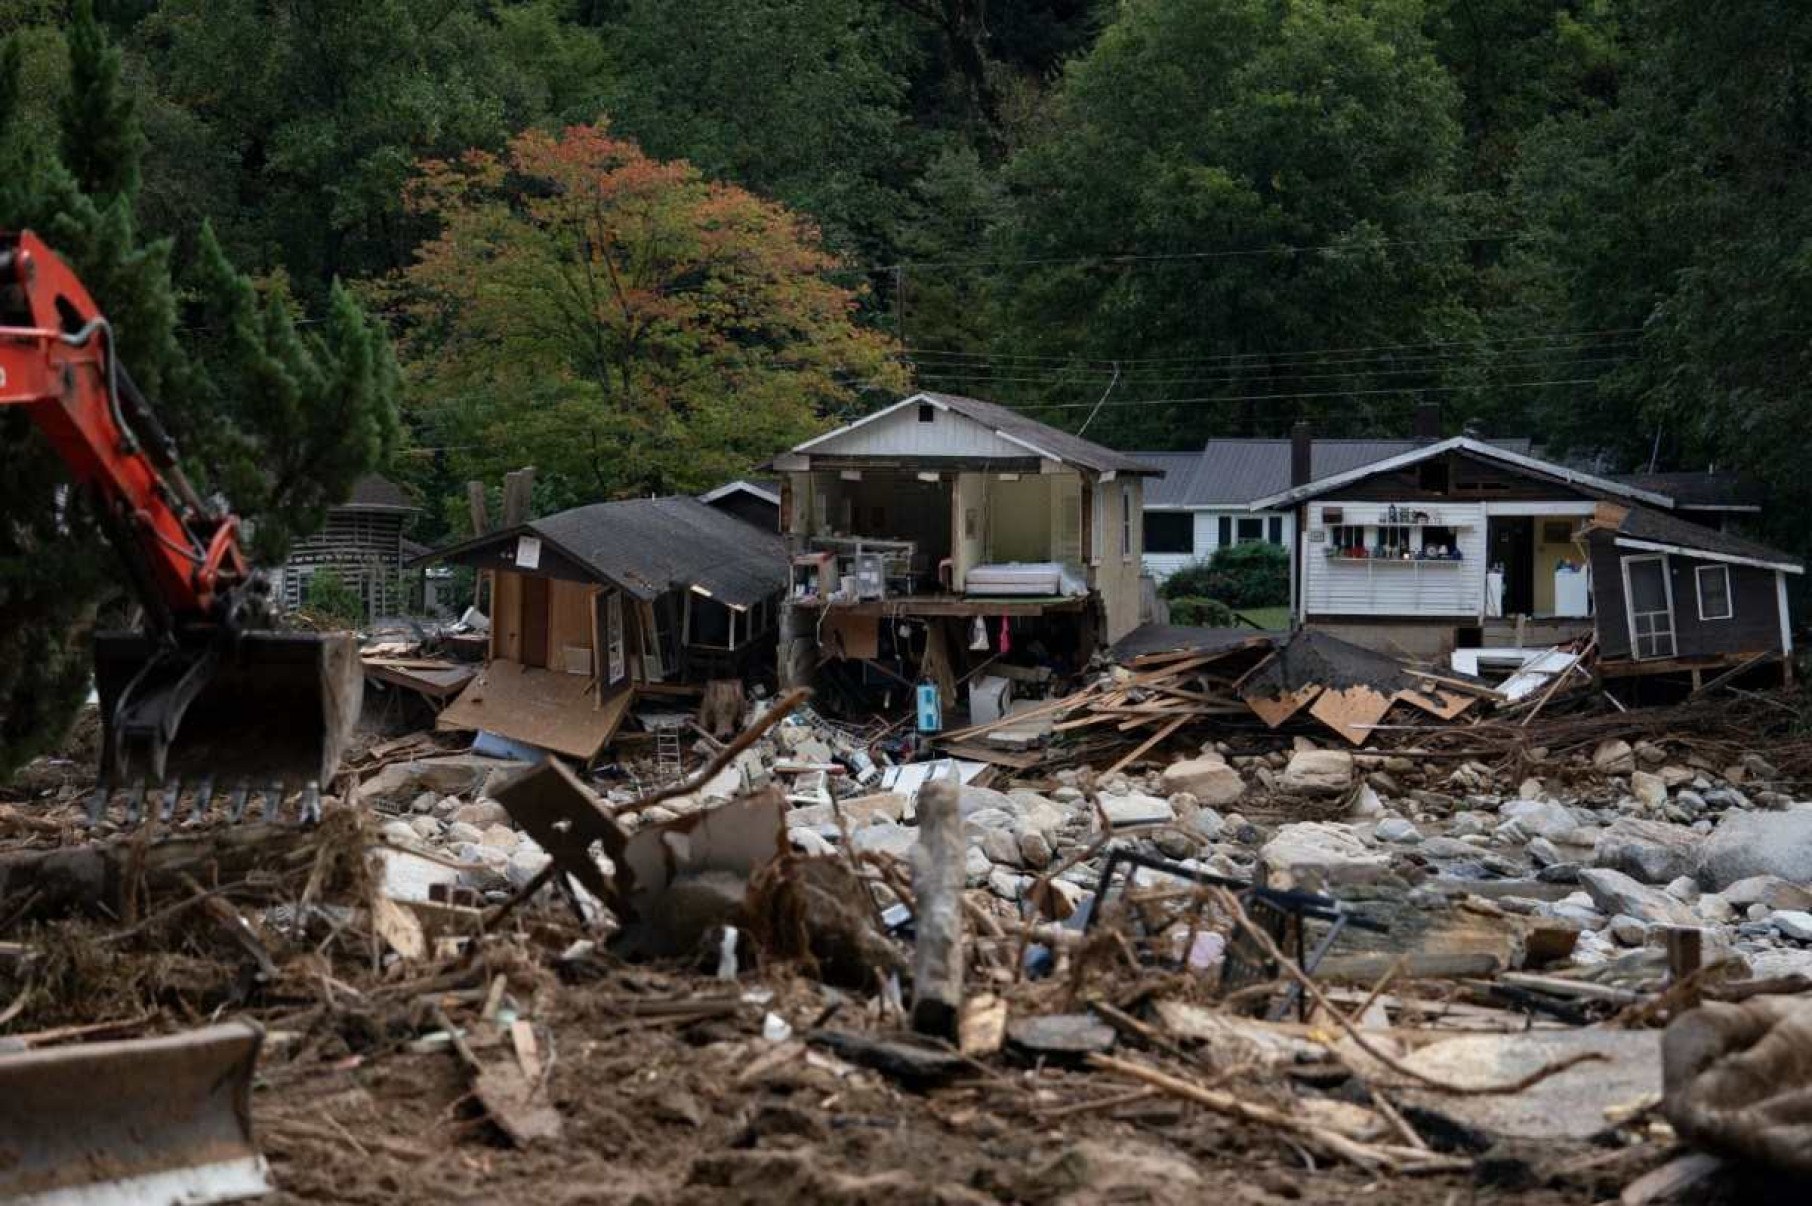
(1208, 538)
(1338, 587)
(902, 434)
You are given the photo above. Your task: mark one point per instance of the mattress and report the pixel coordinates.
(1024, 579)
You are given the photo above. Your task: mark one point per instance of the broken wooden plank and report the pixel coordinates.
(1145, 747)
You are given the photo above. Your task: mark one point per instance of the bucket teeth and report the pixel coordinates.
(236, 811)
(311, 803)
(97, 803)
(171, 794)
(204, 795)
(135, 803)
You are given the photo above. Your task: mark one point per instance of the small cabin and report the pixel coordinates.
(595, 605)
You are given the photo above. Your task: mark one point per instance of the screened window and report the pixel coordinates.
(1251, 531)
(1169, 532)
(1347, 537)
(1714, 592)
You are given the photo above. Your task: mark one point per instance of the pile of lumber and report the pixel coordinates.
(1127, 713)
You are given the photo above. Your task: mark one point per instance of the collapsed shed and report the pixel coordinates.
(591, 606)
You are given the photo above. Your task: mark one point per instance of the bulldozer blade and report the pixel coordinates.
(156, 1120)
(272, 707)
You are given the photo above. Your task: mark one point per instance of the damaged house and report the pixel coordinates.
(362, 545)
(1463, 544)
(597, 605)
(968, 527)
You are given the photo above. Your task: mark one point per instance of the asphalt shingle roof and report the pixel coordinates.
(1642, 523)
(1232, 473)
(1703, 489)
(379, 493)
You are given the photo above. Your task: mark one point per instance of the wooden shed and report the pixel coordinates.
(592, 604)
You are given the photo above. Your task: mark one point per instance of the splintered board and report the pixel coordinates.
(1351, 712)
(1276, 710)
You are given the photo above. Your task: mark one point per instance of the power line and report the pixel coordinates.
(1343, 393)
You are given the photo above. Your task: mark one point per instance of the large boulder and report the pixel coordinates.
(1758, 843)
(1769, 890)
(1650, 789)
(1318, 773)
(1613, 892)
(1209, 779)
(1654, 852)
(1317, 855)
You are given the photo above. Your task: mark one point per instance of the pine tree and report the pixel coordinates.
(101, 139)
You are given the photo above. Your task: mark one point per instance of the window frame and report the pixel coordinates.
(1187, 534)
(1698, 586)
(1630, 613)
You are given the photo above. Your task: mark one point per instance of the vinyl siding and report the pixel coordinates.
(1395, 588)
(1207, 538)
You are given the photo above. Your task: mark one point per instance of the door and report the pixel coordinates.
(1649, 592)
(1512, 542)
(534, 620)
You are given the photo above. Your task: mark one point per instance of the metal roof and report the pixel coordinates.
(649, 546)
(1232, 473)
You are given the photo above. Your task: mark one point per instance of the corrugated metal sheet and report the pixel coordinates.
(1235, 472)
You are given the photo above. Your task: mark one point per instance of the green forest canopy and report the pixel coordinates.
(1162, 220)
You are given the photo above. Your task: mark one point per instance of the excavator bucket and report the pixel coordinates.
(157, 1120)
(269, 713)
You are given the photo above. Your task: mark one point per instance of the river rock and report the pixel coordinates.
(1316, 854)
(1396, 829)
(1746, 844)
(1034, 849)
(1650, 789)
(1136, 808)
(1209, 779)
(1614, 757)
(1651, 851)
(1318, 772)
(1770, 890)
(1793, 923)
(1001, 846)
(1614, 892)
(1525, 819)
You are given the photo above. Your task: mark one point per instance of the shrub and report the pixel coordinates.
(1240, 575)
(331, 597)
(1201, 613)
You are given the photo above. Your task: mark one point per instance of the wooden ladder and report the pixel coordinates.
(669, 764)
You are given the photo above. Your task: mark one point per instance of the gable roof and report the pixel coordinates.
(1467, 444)
(764, 488)
(1035, 438)
(374, 492)
(1656, 531)
(1232, 472)
(649, 546)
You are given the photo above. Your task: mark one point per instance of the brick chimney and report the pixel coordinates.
(1427, 421)
(1302, 455)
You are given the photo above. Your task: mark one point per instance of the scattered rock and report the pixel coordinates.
(1769, 890)
(1614, 757)
(1525, 819)
(1137, 809)
(1614, 892)
(1209, 779)
(482, 814)
(1396, 829)
(464, 831)
(1650, 789)
(1034, 849)
(1318, 772)
(1651, 851)
(425, 802)
(1793, 923)
(1366, 805)
(1001, 846)
(1061, 1035)
(1758, 843)
(1316, 854)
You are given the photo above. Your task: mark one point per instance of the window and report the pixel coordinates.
(1276, 525)
(1649, 597)
(1714, 592)
(1169, 532)
(927, 412)
(1226, 532)
(1347, 537)
(1393, 540)
(1128, 549)
(1251, 531)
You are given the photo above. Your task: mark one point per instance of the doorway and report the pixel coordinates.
(534, 621)
(1511, 541)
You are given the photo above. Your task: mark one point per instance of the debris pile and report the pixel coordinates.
(1285, 964)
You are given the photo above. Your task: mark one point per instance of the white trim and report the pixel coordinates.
(1629, 608)
(1780, 604)
(928, 400)
(1461, 444)
(1512, 509)
(1655, 546)
(746, 487)
(1698, 590)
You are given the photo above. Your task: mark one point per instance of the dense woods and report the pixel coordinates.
(643, 244)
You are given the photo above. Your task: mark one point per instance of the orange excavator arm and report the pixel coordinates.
(58, 361)
(269, 701)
